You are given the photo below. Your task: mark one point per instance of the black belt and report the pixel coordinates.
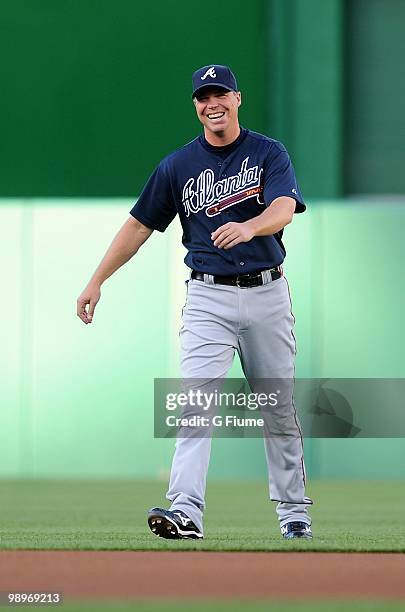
(253, 279)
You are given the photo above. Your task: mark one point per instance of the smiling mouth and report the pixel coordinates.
(213, 116)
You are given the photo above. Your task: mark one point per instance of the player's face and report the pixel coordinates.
(217, 109)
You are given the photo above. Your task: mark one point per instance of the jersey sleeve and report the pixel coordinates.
(155, 207)
(279, 177)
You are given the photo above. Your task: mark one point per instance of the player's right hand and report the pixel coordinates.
(86, 303)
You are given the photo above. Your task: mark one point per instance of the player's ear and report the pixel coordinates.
(239, 97)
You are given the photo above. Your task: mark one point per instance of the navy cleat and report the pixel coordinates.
(172, 525)
(296, 529)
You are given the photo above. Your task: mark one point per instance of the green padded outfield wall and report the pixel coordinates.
(94, 93)
(88, 105)
(77, 400)
(305, 89)
(375, 97)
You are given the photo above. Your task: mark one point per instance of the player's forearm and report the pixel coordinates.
(126, 243)
(274, 218)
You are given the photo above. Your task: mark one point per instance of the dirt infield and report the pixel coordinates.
(122, 575)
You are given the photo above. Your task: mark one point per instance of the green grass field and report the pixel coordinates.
(101, 515)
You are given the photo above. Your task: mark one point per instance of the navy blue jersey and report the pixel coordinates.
(209, 186)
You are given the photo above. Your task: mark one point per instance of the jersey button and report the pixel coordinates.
(241, 263)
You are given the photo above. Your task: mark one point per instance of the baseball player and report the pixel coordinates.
(234, 191)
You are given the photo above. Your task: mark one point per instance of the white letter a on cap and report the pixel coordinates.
(210, 72)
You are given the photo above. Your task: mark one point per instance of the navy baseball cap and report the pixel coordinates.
(215, 74)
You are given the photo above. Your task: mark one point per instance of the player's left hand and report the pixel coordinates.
(230, 234)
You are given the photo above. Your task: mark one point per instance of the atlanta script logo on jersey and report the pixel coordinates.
(216, 196)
